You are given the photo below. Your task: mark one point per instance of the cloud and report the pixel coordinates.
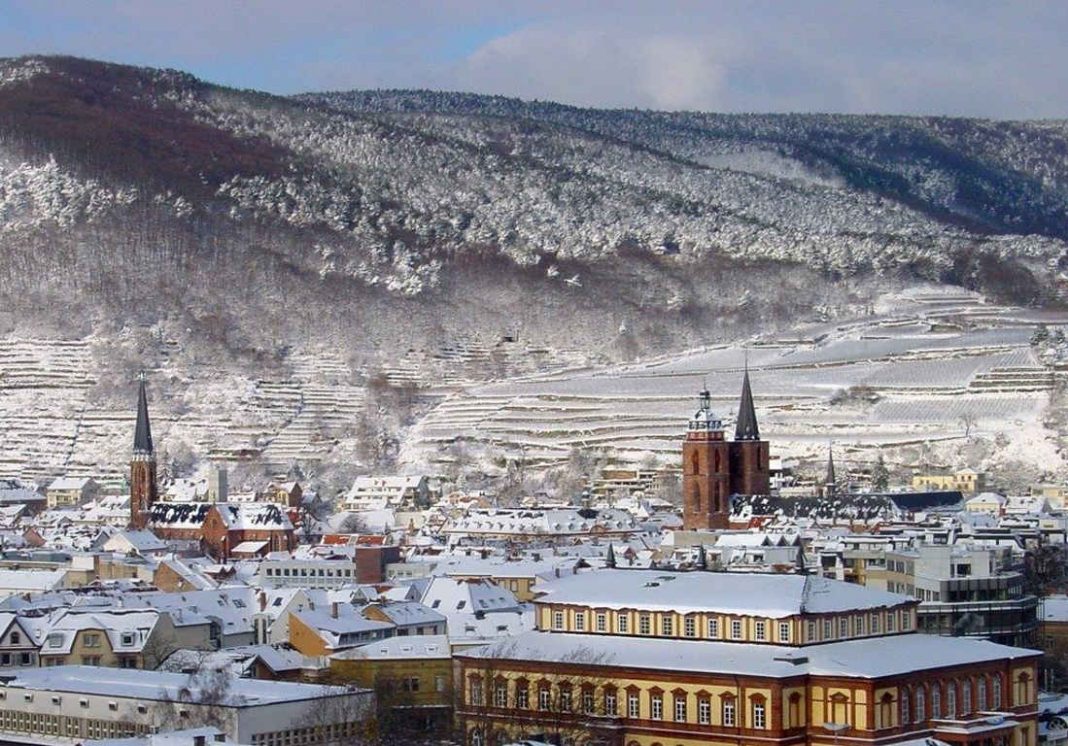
(589, 66)
(962, 57)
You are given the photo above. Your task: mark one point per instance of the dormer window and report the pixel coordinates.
(16, 638)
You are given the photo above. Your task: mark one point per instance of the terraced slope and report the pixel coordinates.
(925, 367)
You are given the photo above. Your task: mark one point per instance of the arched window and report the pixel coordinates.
(839, 708)
(996, 690)
(951, 699)
(921, 705)
(885, 718)
(903, 698)
(980, 694)
(936, 700)
(760, 713)
(728, 711)
(1022, 695)
(966, 697)
(476, 737)
(793, 711)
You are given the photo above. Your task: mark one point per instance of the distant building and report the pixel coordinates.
(714, 469)
(72, 704)
(966, 481)
(67, 492)
(374, 492)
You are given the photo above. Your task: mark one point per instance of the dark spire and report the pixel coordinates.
(746, 428)
(830, 481)
(610, 558)
(143, 433)
(702, 558)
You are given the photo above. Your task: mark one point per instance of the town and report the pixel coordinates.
(719, 601)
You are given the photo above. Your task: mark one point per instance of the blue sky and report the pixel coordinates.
(957, 57)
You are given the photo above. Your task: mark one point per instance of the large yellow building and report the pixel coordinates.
(646, 657)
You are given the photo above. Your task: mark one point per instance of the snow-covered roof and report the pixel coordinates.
(159, 686)
(254, 516)
(869, 658)
(530, 521)
(449, 595)
(419, 646)
(69, 483)
(405, 613)
(1054, 609)
(126, 629)
(772, 596)
(22, 581)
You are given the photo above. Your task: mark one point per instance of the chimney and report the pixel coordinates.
(263, 601)
(333, 610)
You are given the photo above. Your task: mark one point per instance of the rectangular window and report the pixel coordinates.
(875, 624)
(544, 698)
(644, 624)
(92, 640)
(587, 701)
(680, 708)
(689, 627)
(828, 629)
(904, 620)
(713, 628)
(811, 631)
(784, 632)
(558, 620)
(500, 695)
(609, 703)
(633, 710)
(667, 626)
(760, 630)
(475, 693)
(656, 707)
(522, 698)
(565, 699)
(728, 713)
(736, 629)
(580, 621)
(704, 711)
(758, 715)
(860, 626)
(601, 621)
(621, 624)
(890, 621)
(843, 627)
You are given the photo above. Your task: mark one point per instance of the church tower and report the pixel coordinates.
(750, 456)
(706, 495)
(143, 464)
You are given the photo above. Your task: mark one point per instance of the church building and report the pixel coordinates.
(219, 529)
(714, 469)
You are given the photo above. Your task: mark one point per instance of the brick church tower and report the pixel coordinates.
(143, 465)
(714, 469)
(705, 470)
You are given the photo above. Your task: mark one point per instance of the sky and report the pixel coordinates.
(954, 57)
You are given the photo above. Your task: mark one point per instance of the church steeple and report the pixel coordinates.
(830, 482)
(143, 431)
(143, 488)
(746, 428)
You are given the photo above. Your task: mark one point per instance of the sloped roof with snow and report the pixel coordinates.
(868, 658)
(393, 648)
(773, 596)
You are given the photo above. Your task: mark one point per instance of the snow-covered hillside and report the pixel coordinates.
(930, 372)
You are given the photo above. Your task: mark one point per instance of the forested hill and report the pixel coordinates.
(382, 222)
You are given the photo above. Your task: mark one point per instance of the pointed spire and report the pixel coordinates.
(746, 428)
(143, 432)
(830, 482)
(610, 558)
(702, 558)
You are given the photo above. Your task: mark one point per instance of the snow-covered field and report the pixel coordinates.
(938, 361)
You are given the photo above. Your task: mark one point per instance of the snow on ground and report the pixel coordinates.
(938, 360)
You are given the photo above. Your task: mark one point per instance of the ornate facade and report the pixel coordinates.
(647, 658)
